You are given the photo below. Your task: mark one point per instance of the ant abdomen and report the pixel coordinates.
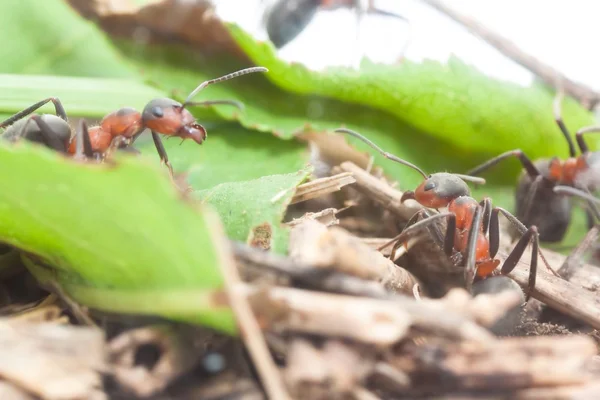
(550, 213)
(33, 133)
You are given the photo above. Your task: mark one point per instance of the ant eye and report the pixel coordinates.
(157, 112)
(429, 185)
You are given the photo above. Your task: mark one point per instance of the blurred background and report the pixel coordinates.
(559, 33)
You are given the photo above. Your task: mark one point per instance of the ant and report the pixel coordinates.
(552, 213)
(119, 129)
(286, 19)
(466, 242)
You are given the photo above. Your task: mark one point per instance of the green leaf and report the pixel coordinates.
(230, 154)
(244, 206)
(48, 37)
(81, 97)
(454, 102)
(157, 254)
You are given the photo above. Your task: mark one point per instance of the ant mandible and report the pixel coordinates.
(119, 129)
(552, 213)
(466, 240)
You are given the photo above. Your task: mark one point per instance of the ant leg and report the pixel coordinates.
(115, 144)
(162, 153)
(531, 235)
(532, 171)
(83, 149)
(419, 215)
(523, 230)
(58, 108)
(234, 103)
(409, 232)
(579, 137)
(49, 136)
(559, 121)
(486, 204)
(471, 262)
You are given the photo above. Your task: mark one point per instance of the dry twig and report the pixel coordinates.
(321, 187)
(585, 95)
(251, 332)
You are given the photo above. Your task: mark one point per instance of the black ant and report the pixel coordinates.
(286, 19)
(552, 213)
(118, 129)
(466, 241)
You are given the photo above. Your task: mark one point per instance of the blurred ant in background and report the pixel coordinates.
(536, 202)
(117, 130)
(472, 237)
(286, 19)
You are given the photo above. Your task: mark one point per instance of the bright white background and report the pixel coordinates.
(564, 34)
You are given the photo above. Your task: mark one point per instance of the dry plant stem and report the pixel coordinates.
(368, 320)
(52, 361)
(321, 187)
(308, 275)
(79, 312)
(379, 190)
(506, 364)
(586, 96)
(250, 329)
(314, 244)
(179, 352)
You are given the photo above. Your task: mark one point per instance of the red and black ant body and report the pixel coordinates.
(466, 241)
(286, 19)
(536, 202)
(118, 129)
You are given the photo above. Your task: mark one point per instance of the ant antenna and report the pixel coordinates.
(387, 155)
(221, 79)
(470, 178)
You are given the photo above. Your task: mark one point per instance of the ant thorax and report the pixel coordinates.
(588, 176)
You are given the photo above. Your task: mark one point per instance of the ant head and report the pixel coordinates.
(439, 189)
(124, 122)
(58, 126)
(169, 117)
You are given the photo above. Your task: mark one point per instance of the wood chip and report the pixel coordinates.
(52, 361)
(506, 364)
(321, 187)
(314, 244)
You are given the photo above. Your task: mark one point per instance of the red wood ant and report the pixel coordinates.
(286, 19)
(118, 129)
(466, 242)
(552, 213)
